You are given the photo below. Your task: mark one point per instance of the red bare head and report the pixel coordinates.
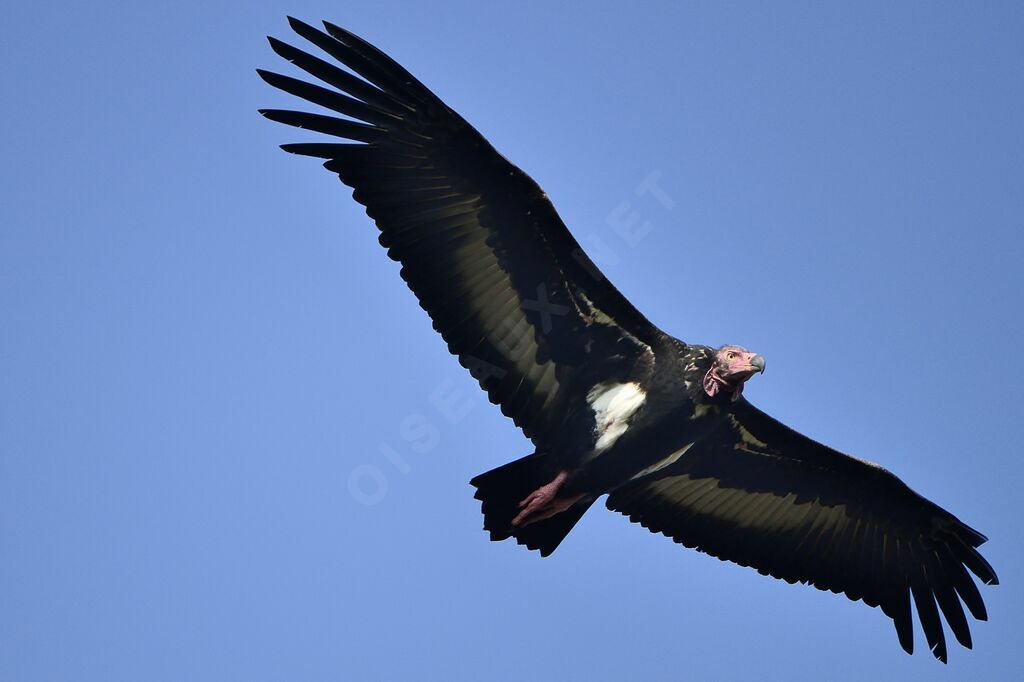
(733, 365)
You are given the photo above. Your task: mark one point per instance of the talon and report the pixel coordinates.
(542, 502)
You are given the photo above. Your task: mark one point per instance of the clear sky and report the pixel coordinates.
(228, 446)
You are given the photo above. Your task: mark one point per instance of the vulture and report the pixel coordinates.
(611, 404)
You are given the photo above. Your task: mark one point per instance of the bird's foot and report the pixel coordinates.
(543, 502)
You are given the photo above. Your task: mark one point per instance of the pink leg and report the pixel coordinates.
(542, 503)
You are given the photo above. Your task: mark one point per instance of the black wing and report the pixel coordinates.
(481, 246)
(762, 495)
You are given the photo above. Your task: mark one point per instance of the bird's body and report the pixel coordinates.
(631, 422)
(612, 404)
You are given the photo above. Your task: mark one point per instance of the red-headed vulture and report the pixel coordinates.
(612, 404)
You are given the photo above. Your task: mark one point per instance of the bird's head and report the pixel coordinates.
(731, 367)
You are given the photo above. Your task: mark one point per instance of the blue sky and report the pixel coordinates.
(228, 446)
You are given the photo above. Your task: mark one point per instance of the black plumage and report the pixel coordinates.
(612, 404)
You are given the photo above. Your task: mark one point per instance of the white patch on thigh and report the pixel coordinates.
(614, 406)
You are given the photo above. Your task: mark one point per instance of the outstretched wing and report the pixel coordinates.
(762, 495)
(481, 246)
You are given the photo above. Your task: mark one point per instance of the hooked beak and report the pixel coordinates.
(757, 362)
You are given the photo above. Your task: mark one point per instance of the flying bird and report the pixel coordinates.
(613, 405)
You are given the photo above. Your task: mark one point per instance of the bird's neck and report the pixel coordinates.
(714, 384)
(696, 362)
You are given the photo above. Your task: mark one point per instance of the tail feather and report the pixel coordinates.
(500, 491)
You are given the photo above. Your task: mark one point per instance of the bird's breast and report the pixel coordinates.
(636, 432)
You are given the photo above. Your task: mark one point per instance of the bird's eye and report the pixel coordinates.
(731, 356)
